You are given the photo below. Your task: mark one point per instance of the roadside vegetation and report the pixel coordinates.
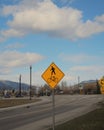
(14, 102)
(92, 121)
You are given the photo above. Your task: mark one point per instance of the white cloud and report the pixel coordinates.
(2, 39)
(4, 71)
(84, 72)
(88, 71)
(14, 46)
(100, 19)
(12, 33)
(78, 58)
(44, 16)
(82, 68)
(13, 59)
(95, 68)
(83, 65)
(89, 28)
(69, 78)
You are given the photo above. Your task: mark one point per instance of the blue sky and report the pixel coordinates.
(69, 33)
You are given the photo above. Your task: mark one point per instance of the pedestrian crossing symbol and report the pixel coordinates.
(52, 75)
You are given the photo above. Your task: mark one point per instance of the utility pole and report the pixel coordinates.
(78, 81)
(30, 80)
(79, 85)
(20, 84)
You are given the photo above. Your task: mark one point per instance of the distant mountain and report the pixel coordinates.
(88, 81)
(5, 84)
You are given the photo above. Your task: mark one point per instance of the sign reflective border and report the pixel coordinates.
(52, 75)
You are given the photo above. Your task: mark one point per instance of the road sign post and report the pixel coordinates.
(30, 80)
(53, 109)
(52, 76)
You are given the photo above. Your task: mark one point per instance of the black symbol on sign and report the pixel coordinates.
(52, 77)
(52, 70)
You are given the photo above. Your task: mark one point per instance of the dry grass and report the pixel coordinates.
(14, 102)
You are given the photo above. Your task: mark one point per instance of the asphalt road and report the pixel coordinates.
(38, 116)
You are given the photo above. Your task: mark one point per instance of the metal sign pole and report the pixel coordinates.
(53, 109)
(20, 85)
(30, 80)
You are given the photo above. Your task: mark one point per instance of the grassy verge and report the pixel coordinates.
(92, 121)
(15, 102)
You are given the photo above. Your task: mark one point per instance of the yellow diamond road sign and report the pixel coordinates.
(101, 82)
(52, 75)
